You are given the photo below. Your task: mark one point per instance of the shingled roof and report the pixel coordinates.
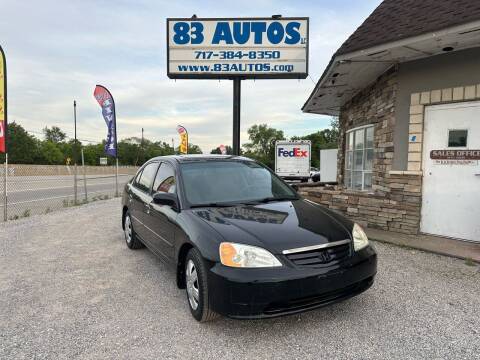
(399, 19)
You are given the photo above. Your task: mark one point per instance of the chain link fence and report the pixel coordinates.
(39, 189)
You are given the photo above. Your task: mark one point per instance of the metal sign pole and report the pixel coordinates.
(75, 153)
(116, 177)
(84, 177)
(5, 201)
(236, 115)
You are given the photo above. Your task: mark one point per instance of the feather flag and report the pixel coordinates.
(105, 99)
(183, 139)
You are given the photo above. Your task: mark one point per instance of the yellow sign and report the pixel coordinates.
(183, 148)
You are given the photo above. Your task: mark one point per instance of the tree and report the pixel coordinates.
(262, 143)
(323, 139)
(50, 153)
(218, 151)
(194, 149)
(22, 147)
(54, 134)
(92, 153)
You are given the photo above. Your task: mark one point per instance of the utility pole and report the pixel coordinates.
(75, 152)
(173, 146)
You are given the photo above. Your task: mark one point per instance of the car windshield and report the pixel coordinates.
(213, 183)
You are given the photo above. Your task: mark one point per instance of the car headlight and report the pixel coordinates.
(246, 256)
(360, 239)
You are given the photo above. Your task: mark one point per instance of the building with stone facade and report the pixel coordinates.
(406, 88)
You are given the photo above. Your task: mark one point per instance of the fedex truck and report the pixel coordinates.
(292, 159)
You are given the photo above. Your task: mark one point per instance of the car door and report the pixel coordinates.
(160, 220)
(135, 205)
(141, 199)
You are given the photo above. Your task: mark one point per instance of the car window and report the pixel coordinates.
(137, 178)
(146, 178)
(165, 179)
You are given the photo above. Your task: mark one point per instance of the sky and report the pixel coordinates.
(57, 51)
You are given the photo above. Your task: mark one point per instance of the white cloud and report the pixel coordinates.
(57, 51)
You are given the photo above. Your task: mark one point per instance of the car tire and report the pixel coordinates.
(131, 237)
(197, 287)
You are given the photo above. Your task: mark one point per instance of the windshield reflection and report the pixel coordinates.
(246, 213)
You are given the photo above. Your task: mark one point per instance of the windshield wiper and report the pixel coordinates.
(214, 204)
(275, 198)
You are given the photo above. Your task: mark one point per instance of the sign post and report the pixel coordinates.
(3, 126)
(75, 153)
(84, 177)
(237, 49)
(237, 95)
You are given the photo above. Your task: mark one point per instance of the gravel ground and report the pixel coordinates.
(70, 288)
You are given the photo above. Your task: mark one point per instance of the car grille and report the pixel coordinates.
(320, 257)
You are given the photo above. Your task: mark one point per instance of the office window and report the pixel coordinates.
(359, 158)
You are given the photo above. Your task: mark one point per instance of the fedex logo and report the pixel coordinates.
(296, 152)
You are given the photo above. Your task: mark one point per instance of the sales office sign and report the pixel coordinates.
(455, 157)
(246, 48)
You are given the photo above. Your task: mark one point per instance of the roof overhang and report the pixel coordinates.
(347, 74)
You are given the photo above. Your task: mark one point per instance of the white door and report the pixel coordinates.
(451, 188)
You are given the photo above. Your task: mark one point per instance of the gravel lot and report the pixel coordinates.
(70, 288)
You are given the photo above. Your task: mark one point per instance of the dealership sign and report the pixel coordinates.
(247, 48)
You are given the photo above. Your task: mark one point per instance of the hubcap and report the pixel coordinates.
(128, 229)
(192, 285)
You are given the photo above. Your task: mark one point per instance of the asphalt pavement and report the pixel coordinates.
(70, 288)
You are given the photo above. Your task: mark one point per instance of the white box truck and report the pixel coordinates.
(292, 159)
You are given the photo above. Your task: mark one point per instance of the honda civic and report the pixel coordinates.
(242, 242)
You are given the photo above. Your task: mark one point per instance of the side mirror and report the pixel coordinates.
(162, 198)
(294, 187)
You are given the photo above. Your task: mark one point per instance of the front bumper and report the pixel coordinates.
(264, 293)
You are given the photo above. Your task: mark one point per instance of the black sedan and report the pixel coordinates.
(242, 242)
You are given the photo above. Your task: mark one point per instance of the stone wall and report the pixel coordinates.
(375, 105)
(395, 199)
(397, 209)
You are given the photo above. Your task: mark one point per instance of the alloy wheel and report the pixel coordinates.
(192, 284)
(128, 229)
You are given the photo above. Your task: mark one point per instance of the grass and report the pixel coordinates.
(470, 262)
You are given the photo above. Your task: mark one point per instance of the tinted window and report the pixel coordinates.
(137, 178)
(457, 138)
(230, 181)
(165, 179)
(146, 179)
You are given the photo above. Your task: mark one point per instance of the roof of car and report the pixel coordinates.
(398, 19)
(202, 157)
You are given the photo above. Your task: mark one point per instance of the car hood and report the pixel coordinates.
(277, 226)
